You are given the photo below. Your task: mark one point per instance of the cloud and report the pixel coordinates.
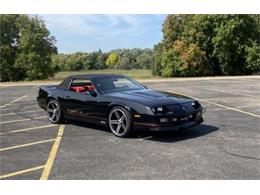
(103, 30)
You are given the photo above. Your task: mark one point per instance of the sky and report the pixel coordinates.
(88, 33)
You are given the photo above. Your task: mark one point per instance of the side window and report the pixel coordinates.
(81, 85)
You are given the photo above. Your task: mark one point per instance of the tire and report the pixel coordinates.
(54, 112)
(120, 121)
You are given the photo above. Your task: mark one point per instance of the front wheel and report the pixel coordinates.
(120, 121)
(54, 112)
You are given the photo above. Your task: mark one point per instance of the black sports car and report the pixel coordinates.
(119, 102)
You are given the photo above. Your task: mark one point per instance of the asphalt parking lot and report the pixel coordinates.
(225, 146)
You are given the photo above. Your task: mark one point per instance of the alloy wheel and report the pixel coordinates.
(118, 122)
(53, 111)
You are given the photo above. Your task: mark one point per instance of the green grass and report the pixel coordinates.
(134, 73)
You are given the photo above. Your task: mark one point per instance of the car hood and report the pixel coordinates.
(150, 97)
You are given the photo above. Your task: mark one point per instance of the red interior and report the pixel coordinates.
(82, 88)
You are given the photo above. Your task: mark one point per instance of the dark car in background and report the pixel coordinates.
(118, 102)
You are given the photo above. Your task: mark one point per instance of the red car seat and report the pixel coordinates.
(82, 88)
(78, 89)
(90, 88)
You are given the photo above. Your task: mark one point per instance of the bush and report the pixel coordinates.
(253, 59)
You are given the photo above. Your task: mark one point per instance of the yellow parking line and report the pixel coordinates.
(21, 172)
(30, 106)
(4, 109)
(20, 120)
(13, 108)
(13, 101)
(39, 117)
(27, 129)
(13, 121)
(220, 105)
(47, 168)
(25, 145)
(15, 113)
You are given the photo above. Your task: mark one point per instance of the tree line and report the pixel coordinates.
(192, 45)
(115, 59)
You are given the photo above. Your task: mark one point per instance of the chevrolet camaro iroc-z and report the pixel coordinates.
(118, 102)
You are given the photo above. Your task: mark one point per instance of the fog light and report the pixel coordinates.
(190, 116)
(174, 119)
(164, 120)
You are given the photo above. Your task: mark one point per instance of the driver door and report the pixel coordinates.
(78, 103)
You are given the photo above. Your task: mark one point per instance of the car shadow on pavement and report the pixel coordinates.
(88, 125)
(167, 137)
(179, 135)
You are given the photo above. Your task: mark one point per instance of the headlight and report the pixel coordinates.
(149, 110)
(159, 109)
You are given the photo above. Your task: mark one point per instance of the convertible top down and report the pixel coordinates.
(118, 102)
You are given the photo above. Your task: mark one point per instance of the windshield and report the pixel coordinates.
(112, 84)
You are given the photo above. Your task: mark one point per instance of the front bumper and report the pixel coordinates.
(177, 127)
(152, 123)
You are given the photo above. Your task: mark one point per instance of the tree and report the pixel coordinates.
(9, 34)
(184, 60)
(91, 60)
(26, 48)
(100, 60)
(59, 62)
(36, 47)
(200, 30)
(173, 28)
(144, 59)
(253, 58)
(126, 61)
(156, 64)
(112, 59)
(222, 41)
(234, 34)
(74, 61)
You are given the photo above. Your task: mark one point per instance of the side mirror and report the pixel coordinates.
(93, 93)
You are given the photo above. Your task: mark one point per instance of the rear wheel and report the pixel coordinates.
(120, 121)
(54, 112)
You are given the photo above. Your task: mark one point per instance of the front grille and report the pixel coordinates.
(173, 107)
